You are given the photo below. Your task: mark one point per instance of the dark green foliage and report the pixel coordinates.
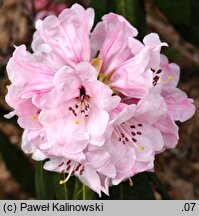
(132, 10)
(184, 15)
(18, 164)
(141, 189)
(43, 183)
(178, 11)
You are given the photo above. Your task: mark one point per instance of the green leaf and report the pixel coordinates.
(183, 14)
(63, 191)
(178, 11)
(101, 8)
(133, 11)
(82, 192)
(18, 164)
(141, 189)
(48, 187)
(73, 189)
(44, 182)
(191, 32)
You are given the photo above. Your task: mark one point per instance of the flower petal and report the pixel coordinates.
(96, 126)
(68, 34)
(22, 66)
(132, 77)
(169, 131)
(179, 105)
(110, 37)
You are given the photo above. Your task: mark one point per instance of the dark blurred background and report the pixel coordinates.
(177, 23)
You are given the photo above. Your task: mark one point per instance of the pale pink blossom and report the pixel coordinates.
(180, 107)
(30, 81)
(98, 105)
(125, 66)
(77, 109)
(94, 172)
(65, 40)
(132, 138)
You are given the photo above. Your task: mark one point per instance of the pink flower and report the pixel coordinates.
(30, 81)
(95, 172)
(67, 40)
(98, 105)
(125, 65)
(77, 108)
(132, 138)
(180, 107)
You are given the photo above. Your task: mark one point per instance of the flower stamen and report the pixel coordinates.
(77, 122)
(81, 109)
(72, 168)
(130, 182)
(34, 118)
(127, 133)
(69, 174)
(8, 87)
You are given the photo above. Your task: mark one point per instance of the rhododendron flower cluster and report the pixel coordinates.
(98, 105)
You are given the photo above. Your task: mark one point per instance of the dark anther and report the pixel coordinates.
(68, 167)
(133, 133)
(126, 139)
(68, 162)
(77, 168)
(81, 171)
(61, 164)
(134, 140)
(156, 78)
(159, 71)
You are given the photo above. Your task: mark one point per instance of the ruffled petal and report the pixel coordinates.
(68, 34)
(24, 71)
(169, 131)
(132, 77)
(170, 73)
(96, 126)
(179, 105)
(152, 41)
(110, 37)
